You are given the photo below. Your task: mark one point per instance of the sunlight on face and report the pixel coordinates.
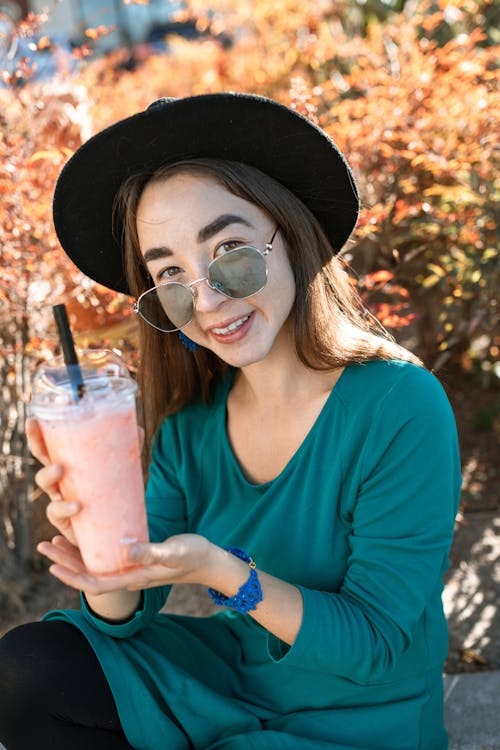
(183, 223)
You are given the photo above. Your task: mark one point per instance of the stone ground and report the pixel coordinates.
(471, 710)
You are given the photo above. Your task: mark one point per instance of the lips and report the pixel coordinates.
(231, 330)
(231, 327)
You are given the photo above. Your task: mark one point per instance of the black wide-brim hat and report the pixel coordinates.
(239, 127)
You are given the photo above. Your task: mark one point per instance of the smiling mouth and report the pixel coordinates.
(231, 327)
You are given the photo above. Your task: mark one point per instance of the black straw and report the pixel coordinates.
(69, 353)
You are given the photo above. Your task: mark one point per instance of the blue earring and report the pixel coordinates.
(185, 341)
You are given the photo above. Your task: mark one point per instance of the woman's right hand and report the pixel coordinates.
(58, 511)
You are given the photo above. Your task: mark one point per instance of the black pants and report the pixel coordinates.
(53, 692)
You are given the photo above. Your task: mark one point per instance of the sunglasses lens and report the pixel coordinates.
(240, 273)
(167, 307)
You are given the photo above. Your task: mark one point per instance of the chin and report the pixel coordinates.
(241, 358)
(236, 360)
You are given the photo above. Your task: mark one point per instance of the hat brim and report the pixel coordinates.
(238, 127)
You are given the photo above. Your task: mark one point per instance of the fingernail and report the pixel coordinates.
(134, 550)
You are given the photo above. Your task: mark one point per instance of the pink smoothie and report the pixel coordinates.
(99, 450)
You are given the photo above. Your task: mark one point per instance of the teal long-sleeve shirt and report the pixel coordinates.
(361, 520)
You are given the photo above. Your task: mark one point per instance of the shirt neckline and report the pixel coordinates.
(261, 486)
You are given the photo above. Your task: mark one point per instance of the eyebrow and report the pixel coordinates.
(220, 223)
(205, 233)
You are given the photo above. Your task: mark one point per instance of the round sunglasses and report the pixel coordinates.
(238, 274)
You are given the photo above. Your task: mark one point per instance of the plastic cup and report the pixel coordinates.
(96, 440)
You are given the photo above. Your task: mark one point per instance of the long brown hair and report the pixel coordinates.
(331, 326)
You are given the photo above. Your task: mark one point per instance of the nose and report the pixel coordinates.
(207, 298)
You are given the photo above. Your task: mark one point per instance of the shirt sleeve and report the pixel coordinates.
(166, 511)
(402, 528)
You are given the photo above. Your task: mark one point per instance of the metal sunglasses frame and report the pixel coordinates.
(267, 249)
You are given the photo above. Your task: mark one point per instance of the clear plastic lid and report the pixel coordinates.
(105, 377)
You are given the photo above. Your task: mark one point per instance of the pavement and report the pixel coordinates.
(472, 711)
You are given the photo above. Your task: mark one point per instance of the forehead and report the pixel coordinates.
(188, 198)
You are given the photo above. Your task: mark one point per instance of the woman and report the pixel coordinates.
(284, 429)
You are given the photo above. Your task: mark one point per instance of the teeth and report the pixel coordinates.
(232, 326)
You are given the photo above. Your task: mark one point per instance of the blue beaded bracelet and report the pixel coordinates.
(249, 595)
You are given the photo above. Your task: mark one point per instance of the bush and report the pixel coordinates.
(416, 119)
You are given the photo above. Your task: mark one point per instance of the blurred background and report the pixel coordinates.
(408, 91)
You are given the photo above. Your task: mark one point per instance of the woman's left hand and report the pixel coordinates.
(184, 558)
